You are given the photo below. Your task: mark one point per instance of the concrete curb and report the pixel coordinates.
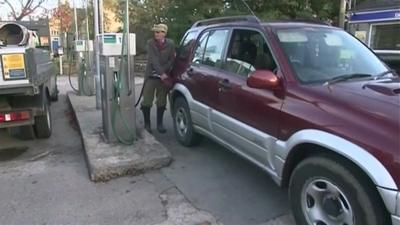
(107, 161)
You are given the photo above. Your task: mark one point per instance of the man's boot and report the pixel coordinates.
(160, 115)
(146, 117)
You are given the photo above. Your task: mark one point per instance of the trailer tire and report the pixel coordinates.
(54, 97)
(43, 123)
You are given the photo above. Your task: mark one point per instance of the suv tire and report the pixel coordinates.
(43, 124)
(322, 190)
(183, 125)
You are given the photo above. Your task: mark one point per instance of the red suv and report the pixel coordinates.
(307, 102)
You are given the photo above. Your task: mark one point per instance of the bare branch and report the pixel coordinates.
(21, 2)
(27, 7)
(13, 13)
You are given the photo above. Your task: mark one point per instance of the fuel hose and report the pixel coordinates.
(82, 78)
(119, 87)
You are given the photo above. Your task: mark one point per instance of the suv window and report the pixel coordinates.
(210, 48)
(215, 47)
(187, 45)
(318, 54)
(189, 37)
(199, 52)
(248, 51)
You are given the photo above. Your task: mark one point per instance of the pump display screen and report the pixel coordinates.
(110, 39)
(13, 66)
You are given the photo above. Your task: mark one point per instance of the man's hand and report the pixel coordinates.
(164, 76)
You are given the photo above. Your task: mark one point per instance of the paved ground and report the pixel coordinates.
(215, 179)
(46, 182)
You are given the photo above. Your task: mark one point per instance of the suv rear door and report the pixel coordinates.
(248, 118)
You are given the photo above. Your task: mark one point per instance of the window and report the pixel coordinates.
(215, 47)
(187, 45)
(360, 31)
(248, 52)
(318, 54)
(199, 52)
(385, 37)
(189, 37)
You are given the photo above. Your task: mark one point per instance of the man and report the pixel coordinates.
(161, 54)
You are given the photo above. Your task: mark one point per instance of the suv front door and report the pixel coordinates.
(202, 75)
(248, 118)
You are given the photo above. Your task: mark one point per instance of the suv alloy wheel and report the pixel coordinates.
(183, 123)
(326, 192)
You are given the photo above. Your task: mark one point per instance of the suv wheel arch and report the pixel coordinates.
(179, 90)
(340, 146)
(299, 150)
(174, 95)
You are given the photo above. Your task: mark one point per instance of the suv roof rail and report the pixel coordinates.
(252, 19)
(305, 20)
(315, 21)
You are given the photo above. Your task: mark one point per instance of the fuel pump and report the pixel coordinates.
(117, 86)
(83, 53)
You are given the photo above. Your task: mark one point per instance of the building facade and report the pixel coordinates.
(377, 24)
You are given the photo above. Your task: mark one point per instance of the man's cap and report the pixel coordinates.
(160, 27)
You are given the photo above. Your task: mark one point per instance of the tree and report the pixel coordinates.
(23, 8)
(179, 15)
(143, 14)
(110, 3)
(64, 14)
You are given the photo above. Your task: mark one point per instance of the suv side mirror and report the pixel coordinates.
(263, 79)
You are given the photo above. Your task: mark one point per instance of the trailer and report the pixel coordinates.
(377, 24)
(27, 83)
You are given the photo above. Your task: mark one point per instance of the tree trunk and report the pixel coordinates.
(342, 13)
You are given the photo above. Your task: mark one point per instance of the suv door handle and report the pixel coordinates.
(224, 84)
(190, 72)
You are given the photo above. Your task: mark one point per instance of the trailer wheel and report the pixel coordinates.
(43, 123)
(54, 97)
